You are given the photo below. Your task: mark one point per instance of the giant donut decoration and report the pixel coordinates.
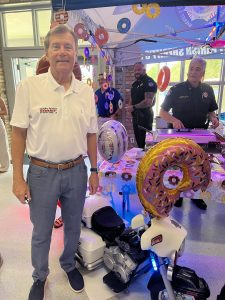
(101, 36)
(163, 78)
(156, 198)
(152, 10)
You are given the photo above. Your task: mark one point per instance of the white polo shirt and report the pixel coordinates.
(57, 121)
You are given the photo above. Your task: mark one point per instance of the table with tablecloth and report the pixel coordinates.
(121, 178)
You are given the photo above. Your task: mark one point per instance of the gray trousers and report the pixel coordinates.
(46, 187)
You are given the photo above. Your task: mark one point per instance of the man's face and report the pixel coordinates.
(102, 81)
(138, 71)
(61, 53)
(195, 72)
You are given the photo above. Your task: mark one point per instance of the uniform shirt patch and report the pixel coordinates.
(204, 95)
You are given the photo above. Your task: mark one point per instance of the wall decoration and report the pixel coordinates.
(163, 78)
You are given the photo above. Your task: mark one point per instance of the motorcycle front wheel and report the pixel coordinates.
(156, 285)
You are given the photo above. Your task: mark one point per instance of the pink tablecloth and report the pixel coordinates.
(121, 177)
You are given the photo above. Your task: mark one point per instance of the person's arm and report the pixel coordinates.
(213, 118)
(20, 187)
(92, 154)
(177, 124)
(147, 102)
(3, 108)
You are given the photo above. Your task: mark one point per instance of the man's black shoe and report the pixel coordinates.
(200, 203)
(179, 202)
(37, 291)
(76, 280)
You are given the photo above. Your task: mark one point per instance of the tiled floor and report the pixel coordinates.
(204, 252)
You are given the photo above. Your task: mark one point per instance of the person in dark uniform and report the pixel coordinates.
(108, 100)
(193, 105)
(143, 92)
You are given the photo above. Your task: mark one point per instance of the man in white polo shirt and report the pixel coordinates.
(54, 119)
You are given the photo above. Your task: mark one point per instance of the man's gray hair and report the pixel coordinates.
(200, 60)
(60, 29)
(139, 63)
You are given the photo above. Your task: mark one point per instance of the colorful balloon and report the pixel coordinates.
(112, 141)
(183, 153)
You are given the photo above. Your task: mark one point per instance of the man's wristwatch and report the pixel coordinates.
(94, 170)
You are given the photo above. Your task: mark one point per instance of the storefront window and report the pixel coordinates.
(44, 22)
(223, 102)
(174, 67)
(19, 29)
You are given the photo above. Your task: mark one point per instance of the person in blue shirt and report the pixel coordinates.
(108, 100)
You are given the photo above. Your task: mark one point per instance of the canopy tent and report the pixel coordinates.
(177, 33)
(83, 4)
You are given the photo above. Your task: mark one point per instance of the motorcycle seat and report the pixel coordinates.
(107, 223)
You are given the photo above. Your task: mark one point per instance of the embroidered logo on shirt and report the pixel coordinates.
(204, 95)
(48, 110)
(140, 85)
(150, 84)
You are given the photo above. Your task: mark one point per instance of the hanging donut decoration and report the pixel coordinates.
(152, 10)
(120, 104)
(109, 77)
(111, 107)
(101, 36)
(80, 30)
(89, 82)
(110, 96)
(184, 153)
(105, 86)
(61, 16)
(86, 52)
(85, 36)
(139, 9)
(163, 78)
(123, 26)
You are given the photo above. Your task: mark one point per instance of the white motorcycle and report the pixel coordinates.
(105, 239)
(129, 252)
(165, 237)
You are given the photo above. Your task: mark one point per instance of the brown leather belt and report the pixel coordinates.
(61, 166)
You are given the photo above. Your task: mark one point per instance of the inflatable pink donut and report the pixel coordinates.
(156, 198)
